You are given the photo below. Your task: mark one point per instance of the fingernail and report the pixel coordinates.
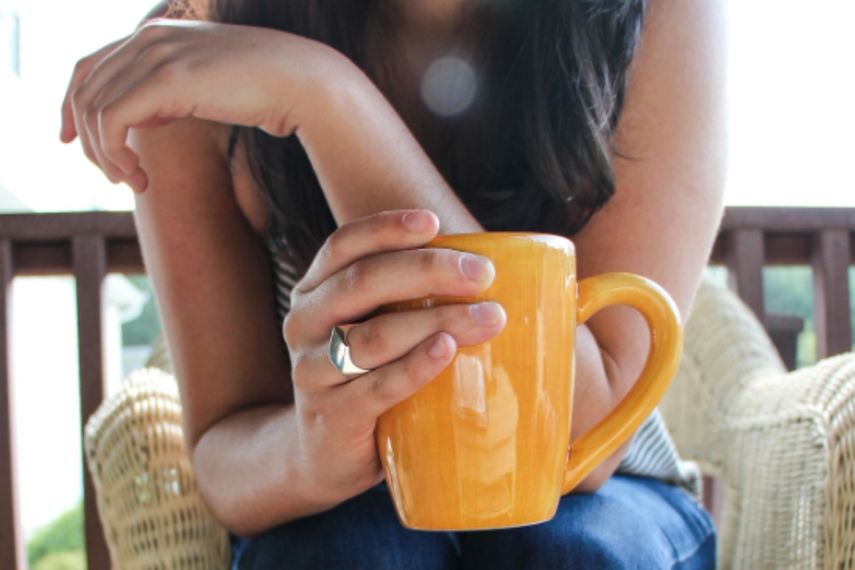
(440, 347)
(486, 313)
(418, 221)
(475, 267)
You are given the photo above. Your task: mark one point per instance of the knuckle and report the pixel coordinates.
(414, 369)
(151, 30)
(290, 329)
(300, 369)
(448, 317)
(107, 117)
(77, 95)
(81, 65)
(90, 119)
(156, 52)
(335, 245)
(297, 292)
(108, 171)
(369, 337)
(355, 277)
(431, 261)
(378, 388)
(277, 124)
(168, 71)
(90, 111)
(176, 108)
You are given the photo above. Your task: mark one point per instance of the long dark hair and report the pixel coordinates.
(533, 152)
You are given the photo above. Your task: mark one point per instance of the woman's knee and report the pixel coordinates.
(601, 530)
(593, 533)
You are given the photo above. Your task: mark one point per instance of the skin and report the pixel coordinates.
(275, 436)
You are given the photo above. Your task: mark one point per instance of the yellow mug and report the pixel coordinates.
(485, 444)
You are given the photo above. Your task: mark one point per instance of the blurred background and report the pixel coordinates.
(791, 125)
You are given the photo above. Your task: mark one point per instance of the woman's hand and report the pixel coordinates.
(364, 264)
(85, 65)
(169, 69)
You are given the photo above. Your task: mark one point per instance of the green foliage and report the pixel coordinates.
(789, 291)
(64, 535)
(142, 330)
(62, 561)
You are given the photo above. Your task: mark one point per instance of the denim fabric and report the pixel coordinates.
(631, 522)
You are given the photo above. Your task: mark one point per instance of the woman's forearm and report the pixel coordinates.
(247, 469)
(367, 160)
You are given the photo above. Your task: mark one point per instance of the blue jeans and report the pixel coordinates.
(630, 522)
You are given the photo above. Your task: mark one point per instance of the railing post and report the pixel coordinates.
(89, 258)
(746, 255)
(830, 261)
(11, 546)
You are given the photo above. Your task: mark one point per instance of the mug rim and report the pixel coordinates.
(525, 237)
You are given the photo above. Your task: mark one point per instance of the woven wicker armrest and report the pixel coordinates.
(783, 443)
(152, 513)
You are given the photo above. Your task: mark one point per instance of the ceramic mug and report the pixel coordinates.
(486, 444)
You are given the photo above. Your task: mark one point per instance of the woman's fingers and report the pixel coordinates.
(82, 131)
(374, 393)
(87, 99)
(105, 101)
(384, 231)
(390, 336)
(363, 286)
(132, 101)
(81, 71)
(108, 122)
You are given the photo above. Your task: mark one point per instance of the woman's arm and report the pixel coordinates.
(212, 278)
(667, 207)
(367, 160)
(660, 224)
(84, 67)
(276, 435)
(269, 442)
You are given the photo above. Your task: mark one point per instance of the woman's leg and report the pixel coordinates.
(631, 522)
(363, 532)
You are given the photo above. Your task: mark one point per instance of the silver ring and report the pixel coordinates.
(339, 353)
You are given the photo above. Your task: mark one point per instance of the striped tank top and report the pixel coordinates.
(651, 452)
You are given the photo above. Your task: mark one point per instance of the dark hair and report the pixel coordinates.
(534, 150)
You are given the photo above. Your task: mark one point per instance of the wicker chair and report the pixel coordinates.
(782, 443)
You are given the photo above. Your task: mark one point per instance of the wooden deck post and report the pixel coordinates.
(89, 257)
(11, 547)
(830, 261)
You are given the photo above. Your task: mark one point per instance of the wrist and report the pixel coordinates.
(305, 484)
(330, 91)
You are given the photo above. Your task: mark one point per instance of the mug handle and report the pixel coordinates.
(666, 343)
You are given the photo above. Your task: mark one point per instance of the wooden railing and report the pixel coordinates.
(91, 244)
(88, 246)
(821, 238)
